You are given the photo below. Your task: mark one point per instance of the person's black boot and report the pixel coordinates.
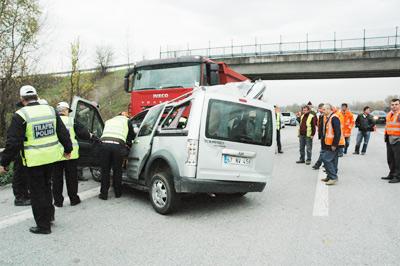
(76, 201)
(387, 177)
(394, 180)
(315, 167)
(357, 150)
(38, 230)
(300, 161)
(103, 196)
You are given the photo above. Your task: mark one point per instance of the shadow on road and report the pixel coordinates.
(196, 204)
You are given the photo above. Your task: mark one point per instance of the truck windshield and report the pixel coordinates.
(239, 123)
(172, 76)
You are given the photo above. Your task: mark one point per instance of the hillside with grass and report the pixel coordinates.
(106, 90)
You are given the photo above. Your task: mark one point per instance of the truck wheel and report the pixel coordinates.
(96, 173)
(162, 193)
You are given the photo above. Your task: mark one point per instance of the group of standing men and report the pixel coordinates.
(43, 143)
(334, 130)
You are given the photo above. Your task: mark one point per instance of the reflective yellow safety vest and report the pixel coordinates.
(308, 123)
(69, 124)
(41, 145)
(116, 128)
(278, 121)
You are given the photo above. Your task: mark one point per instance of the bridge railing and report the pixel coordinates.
(285, 48)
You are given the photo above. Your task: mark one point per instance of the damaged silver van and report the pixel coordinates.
(216, 139)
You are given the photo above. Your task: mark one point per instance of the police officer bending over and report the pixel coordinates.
(39, 133)
(69, 166)
(117, 137)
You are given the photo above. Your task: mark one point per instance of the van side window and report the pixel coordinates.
(149, 122)
(239, 123)
(88, 116)
(178, 118)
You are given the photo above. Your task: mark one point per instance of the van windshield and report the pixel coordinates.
(239, 123)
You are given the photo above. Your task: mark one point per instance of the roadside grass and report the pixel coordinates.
(7, 177)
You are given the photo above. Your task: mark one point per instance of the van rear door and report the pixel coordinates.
(235, 140)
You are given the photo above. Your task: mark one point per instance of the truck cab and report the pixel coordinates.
(216, 139)
(152, 82)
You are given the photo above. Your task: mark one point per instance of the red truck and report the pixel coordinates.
(151, 82)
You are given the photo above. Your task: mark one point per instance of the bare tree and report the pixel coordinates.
(19, 27)
(104, 58)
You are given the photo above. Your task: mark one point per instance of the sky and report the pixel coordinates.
(138, 29)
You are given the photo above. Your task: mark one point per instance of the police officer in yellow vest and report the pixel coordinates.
(70, 167)
(39, 133)
(308, 122)
(117, 137)
(278, 118)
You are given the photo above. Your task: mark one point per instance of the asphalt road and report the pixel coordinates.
(295, 221)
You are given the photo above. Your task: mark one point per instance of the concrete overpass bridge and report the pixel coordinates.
(343, 58)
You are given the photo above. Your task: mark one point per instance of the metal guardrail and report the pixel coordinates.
(288, 48)
(86, 70)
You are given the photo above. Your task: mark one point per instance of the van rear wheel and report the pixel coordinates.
(162, 193)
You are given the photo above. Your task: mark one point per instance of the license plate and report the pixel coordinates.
(236, 160)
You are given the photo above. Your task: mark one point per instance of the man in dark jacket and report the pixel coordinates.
(332, 141)
(320, 122)
(365, 124)
(307, 126)
(69, 168)
(37, 130)
(278, 117)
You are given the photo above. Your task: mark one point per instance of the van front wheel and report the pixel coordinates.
(162, 193)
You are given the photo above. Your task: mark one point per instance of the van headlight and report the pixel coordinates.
(376, 117)
(192, 149)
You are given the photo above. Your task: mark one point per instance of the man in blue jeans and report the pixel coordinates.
(307, 127)
(332, 141)
(365, 124)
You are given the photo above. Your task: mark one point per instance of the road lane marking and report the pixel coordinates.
(24, 215)
(321, 200)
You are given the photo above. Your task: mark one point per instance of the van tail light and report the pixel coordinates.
(192, 149)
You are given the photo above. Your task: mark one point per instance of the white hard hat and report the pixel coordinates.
(27, 90)
(43, 102)
(63, 105)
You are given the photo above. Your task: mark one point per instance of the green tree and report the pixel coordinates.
(75, 76)
(19, 27)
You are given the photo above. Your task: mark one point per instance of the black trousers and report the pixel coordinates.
(41, 198)
(70, 167)
(278, 140)
(347, 144)
(20, 180)
(393, 159)
(112, 157)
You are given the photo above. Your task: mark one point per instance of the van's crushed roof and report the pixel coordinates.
(244, 89)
